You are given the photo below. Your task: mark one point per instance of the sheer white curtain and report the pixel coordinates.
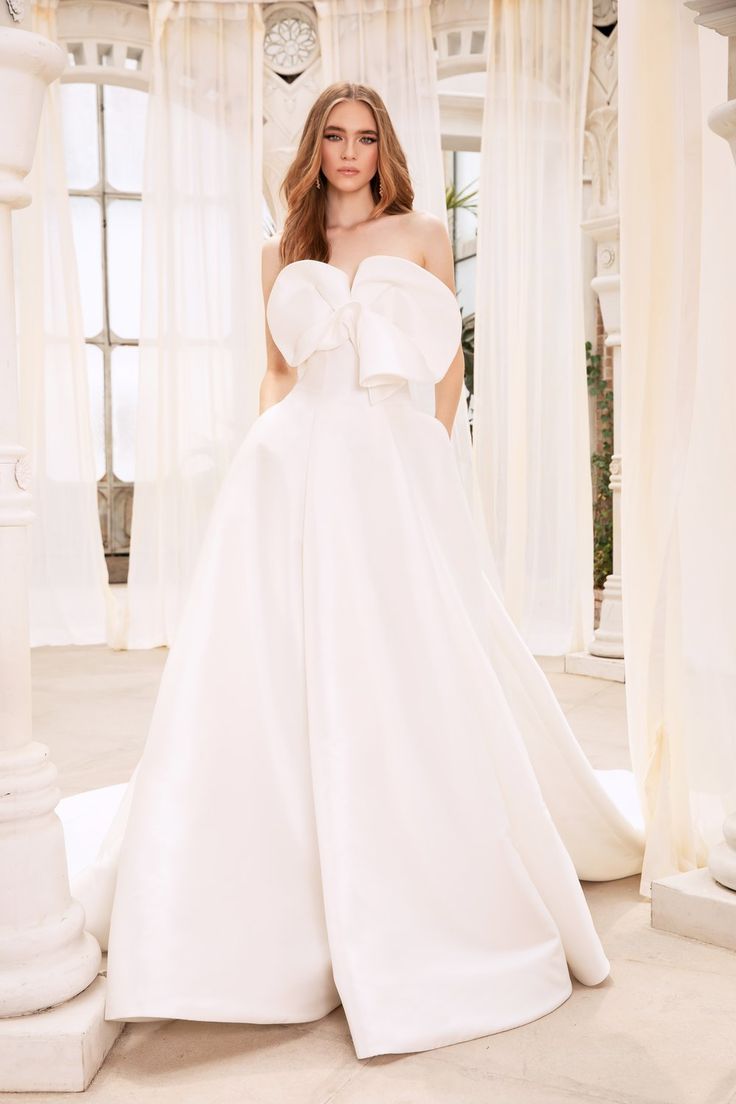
(69, 592)
(388, 45)
(531, 405)
(202, 346)
(678, 287)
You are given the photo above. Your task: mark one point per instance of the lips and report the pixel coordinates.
(348, 172)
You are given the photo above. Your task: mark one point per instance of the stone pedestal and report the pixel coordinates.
(59, 1050)
(696, 906)
(602, 667)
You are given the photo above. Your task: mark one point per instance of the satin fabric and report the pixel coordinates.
(357, 786)
(383, 318)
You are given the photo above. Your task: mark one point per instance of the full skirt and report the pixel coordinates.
(358, 786)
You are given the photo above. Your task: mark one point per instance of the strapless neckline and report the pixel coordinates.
(403, 322)
(371, 257)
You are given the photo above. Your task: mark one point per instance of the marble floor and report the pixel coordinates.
(660, 1030)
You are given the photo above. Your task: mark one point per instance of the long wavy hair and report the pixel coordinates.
(304, 234)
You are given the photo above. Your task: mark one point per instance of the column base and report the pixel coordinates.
(61, 1049)
(602, 667)
(608, 638)
(722, 857)
(693, 904)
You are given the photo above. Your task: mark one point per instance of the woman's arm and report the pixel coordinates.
(439, 260)
(279, 377)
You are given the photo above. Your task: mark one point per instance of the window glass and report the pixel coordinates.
(96, 382)
(124, 376)
(81, 145)
(124, 266)
(125, 127)
(87, 227)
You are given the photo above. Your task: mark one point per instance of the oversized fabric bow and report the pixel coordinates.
(402, 320)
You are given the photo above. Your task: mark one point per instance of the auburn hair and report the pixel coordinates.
(304, 236)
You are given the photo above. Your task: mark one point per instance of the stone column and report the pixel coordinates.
(46, 956)
(604, 654)
(721, 16)
(702, 903)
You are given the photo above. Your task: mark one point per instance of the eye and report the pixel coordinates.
(365, 138)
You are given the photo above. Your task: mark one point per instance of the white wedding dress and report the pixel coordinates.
(358, 786)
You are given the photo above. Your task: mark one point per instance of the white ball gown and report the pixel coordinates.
(358, 786)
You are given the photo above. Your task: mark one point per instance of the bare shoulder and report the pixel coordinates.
(270, 262)
(433, 242)
(270, 257)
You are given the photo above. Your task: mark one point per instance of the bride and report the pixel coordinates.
(358, 786)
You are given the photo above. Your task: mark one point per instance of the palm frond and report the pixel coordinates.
(465, 198)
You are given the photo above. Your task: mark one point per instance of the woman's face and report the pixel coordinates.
(350, 141)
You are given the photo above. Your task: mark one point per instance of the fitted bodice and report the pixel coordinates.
(396, 323)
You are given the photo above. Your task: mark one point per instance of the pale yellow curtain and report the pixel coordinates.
(531, 406)
(69, 595)
(678, 288)
(202, 345)
(388, 44)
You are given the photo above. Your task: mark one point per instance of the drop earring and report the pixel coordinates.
(317, 183)
(380, 186)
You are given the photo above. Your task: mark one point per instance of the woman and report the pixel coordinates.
(358, 786)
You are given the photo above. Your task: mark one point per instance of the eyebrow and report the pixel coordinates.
(331, 126)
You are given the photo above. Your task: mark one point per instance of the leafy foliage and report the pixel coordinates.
(600, 461)
(465, 198)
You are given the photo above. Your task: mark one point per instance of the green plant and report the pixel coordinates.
(465, 199)
(600, 461)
